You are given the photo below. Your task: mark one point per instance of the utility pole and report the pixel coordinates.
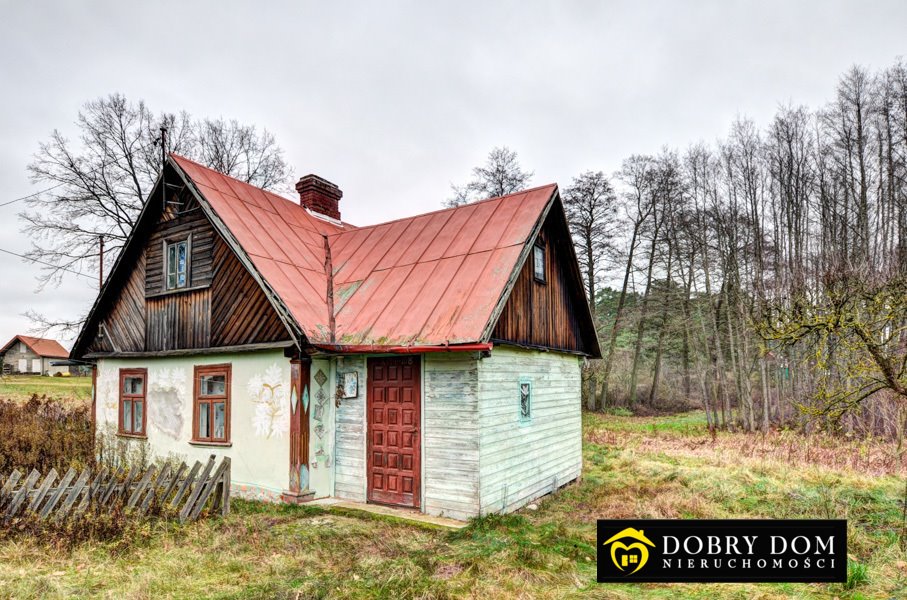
(101, 268)
(163, 142)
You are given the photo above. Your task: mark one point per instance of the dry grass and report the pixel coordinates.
(664, 467)
(867, 455)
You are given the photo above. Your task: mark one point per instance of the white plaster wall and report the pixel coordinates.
(519, 461)
(260, 447)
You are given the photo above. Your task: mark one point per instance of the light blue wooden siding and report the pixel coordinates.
(521, 461)
(349, 465)
(450, 435)
(322, 427)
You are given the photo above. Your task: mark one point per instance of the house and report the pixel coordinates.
(431, 362)
(32, 355)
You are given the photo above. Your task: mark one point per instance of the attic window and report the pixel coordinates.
(538, 263)
(176, 264)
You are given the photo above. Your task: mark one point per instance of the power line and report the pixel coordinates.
(61, 184)
(38, 193)
(41, 262)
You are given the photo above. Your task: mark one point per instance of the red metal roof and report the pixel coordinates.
(40, 346)
(431, 279)
(281, 238)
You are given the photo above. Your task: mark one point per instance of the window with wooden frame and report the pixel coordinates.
(176, 264)
(538, 263)
(211, 417)
(133, 407)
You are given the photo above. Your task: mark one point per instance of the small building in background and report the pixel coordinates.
(28, 355)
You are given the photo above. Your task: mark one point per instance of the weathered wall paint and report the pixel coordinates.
(521, 461)
(450, 435)
(259, 444)
(349, 464)
(321, 429)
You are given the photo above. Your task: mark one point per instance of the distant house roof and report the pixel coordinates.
(40, 346)
(430, 279)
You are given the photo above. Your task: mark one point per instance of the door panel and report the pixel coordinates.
(394, 441)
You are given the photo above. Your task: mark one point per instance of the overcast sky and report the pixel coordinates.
(393, 101)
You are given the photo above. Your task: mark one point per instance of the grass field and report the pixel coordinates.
(662, 467)
(22, 387)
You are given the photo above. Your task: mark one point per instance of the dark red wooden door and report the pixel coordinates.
(394, 443)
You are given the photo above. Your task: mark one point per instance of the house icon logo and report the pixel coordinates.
(625, 555)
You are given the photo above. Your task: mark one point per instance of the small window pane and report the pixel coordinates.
(181, 265)
(539, 262)
(213, 385)
(177, 263)
(133, 386)
(138, 409)
(203, 428)
(219, 420)
(525, 400)
(127, 416)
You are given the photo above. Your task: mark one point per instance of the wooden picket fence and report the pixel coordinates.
(184, 489)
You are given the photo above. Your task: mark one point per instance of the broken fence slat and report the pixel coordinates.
(202, 482)
(20, 496)
(7, 490)
(74, 492)
(153, 487)
(209, 489)
(173, 482)
(121, 491)
(42, 490)
(185, 485)
(97, 483)
(112, 485)
(141, 487)
(55, 497)
(136, 489)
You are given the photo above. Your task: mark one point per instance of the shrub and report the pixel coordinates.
(42, 434)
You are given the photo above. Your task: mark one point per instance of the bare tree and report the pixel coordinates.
(240, 151)
(637, 175)
(100, 182)
(500, 175)
(591, 204)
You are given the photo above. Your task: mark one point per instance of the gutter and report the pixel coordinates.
(375, 349)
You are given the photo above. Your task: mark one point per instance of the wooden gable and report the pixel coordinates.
(551, 312)
(221, 305)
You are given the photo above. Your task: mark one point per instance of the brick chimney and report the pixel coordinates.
(319, 195)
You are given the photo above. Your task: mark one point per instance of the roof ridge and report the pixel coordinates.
(449, 208)
(315, 215)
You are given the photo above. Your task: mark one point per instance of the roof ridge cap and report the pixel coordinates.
(446, 209)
